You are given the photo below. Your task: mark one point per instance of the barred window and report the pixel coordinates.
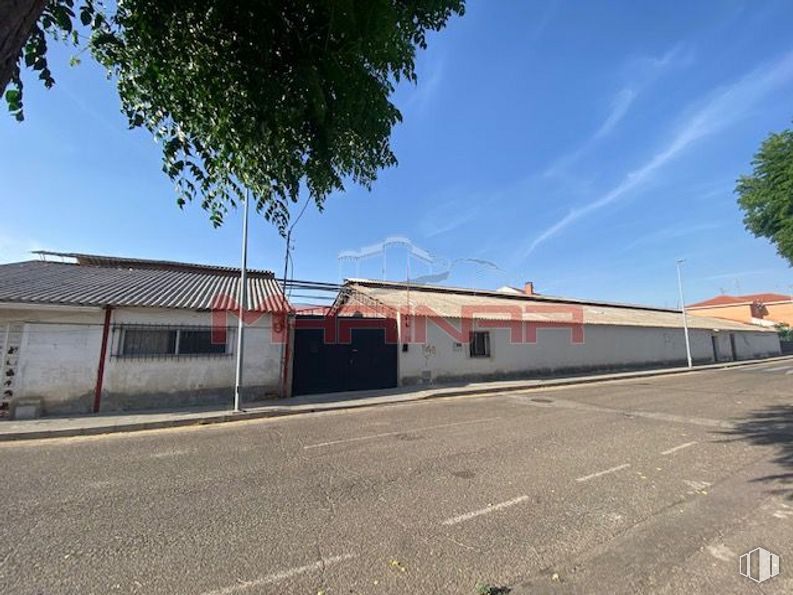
(194, 342)
(149, 342)
(479, 344)
(141, 341)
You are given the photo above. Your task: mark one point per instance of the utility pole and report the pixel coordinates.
(683, 307)
(242, 298)
(286, 257)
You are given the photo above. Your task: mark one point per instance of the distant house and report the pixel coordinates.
(764, 309)
(404, 334)
(91, 333)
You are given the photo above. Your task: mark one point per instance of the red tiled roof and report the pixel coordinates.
(735, 300)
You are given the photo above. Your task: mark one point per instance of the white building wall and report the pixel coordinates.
(58, 354)
(751, 345)
(604, 348)
(60, 351)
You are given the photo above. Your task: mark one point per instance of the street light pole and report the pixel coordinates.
(683, 307)
(242, 298)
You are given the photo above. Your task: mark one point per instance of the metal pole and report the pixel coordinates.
(242, 298)
(685, 317)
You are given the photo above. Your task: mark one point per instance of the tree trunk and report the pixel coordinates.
(17, 18)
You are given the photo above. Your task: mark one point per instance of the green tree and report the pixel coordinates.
(766, 196)
(268, 95)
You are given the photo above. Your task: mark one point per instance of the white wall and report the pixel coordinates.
(751, 345)
(604, 347)
(60, 350)
(208, 378)
(58, 355)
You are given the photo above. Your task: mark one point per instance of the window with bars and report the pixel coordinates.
(139, 341)
(479, 344)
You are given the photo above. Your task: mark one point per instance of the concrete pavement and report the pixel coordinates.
(83, 425)
(641, 485)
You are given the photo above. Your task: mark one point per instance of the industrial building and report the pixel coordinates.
(84, 333)
(450, 334)
(95, 333)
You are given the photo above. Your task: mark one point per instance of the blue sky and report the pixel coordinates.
(583, 146)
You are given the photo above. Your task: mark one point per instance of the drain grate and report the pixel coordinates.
(541, 400)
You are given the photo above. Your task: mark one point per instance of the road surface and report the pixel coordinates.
(648, 485)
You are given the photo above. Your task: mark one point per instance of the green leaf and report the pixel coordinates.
(766, 196)
(278, 96)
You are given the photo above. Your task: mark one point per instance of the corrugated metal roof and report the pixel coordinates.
(106, 281)
(452, 302)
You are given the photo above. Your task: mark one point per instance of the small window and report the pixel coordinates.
(192, 342)
(479, 344)
(164, 342)
(139, 342)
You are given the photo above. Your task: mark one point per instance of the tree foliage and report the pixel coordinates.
(265, 95)
(766, 196)
(57, 21)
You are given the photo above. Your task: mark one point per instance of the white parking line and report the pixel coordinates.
(789, 372)
(280, 576)
(407, 431)
(676, 448)
(777, 369)
(470, 515)
(599, 473)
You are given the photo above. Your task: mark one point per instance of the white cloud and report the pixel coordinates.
(644, 71)
(430, 76)
(619, 107)
(724, 107)
(679, 55)
(449, 215)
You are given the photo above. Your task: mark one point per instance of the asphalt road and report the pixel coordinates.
(650, 485)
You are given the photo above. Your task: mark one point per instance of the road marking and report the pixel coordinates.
(599, 473)
(789, 372)
(280, 576)
(470, 515)
(567, 404)
(778, 369)
(676, 448)
(408, 431)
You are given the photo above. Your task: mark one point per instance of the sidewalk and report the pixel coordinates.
(84, 425)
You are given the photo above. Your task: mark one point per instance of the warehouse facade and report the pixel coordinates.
(93, 333)
(461, 335)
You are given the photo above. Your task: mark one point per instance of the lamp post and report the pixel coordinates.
(242, 298)
(680, 261)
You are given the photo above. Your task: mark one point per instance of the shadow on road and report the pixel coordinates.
(772, 426)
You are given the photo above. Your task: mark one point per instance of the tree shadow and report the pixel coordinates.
(772, 426)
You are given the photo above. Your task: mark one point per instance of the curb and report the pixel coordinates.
(440, 392)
